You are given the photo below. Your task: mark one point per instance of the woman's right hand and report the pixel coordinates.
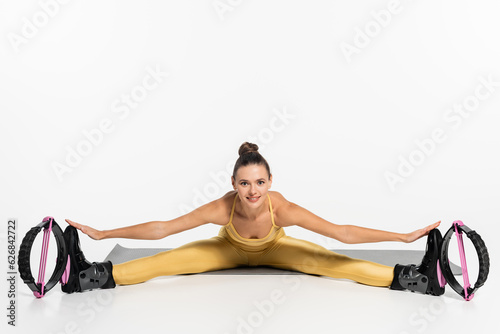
(91, 232)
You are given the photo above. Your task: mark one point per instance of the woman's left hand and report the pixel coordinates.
(411, 237)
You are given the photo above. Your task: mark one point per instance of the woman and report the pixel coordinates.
(252, 220)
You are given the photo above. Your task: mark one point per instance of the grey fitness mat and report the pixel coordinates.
(120, 254)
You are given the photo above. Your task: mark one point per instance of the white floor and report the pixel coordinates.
(228, 304)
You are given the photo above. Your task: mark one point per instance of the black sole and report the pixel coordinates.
(429, 265)
(77, 261)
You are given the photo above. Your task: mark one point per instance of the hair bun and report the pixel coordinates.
(247, 147)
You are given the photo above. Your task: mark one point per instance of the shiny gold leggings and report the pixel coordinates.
(221, 253)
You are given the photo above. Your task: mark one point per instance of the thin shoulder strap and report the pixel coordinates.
(232, 210)
(271, 209)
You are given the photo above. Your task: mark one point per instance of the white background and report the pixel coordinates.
(230, 73)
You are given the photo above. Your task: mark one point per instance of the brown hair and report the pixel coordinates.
(249, 155)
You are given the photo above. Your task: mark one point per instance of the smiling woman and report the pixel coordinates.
(252, 219)
(251, 179)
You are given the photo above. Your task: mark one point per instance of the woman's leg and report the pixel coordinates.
(304, 256)
(195, 257)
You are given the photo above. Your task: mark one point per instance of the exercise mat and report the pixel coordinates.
(120, 254)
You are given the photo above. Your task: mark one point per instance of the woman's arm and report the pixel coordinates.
(150, 231)
(294, 214)
(157, 229)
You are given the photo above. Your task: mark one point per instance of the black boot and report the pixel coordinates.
(82, 274)
(425, 277)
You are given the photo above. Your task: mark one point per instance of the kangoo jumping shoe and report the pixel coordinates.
(80, 274)
(426, 277)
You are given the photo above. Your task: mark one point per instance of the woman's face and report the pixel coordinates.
(252, 183)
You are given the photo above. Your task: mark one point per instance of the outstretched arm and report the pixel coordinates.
(156, 229)
(151, 231)
(294, 214)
